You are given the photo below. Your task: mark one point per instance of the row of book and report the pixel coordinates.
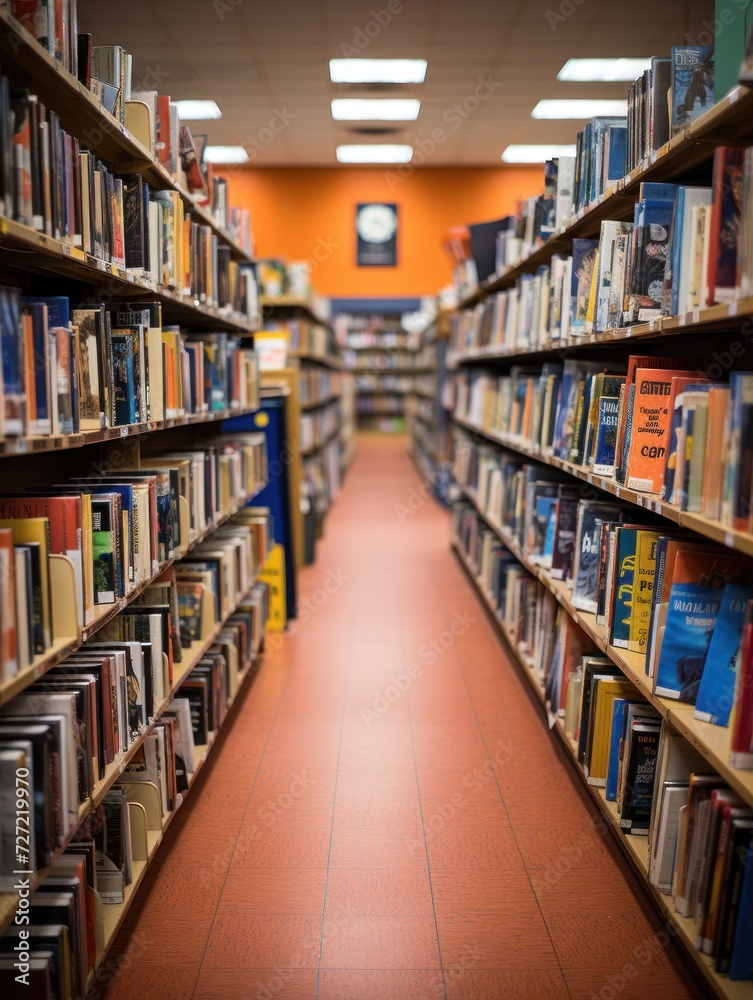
(66, 927)
(68, 369)
(114, 529)
(669, 96)
(373, 403)
(679, 602)
(688, 247)
(106, 70)
(384, 383)
(658, 426)
(700, 832)
(53, 184)
(319, 425)
(377, 340)
(317, 383)
(381, 361)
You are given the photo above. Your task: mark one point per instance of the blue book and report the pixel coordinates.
(124, 402)
(615, 734)
(616, 151)
(698, 583)
(606, 435)
(741, 963)
(58, 308)
(717, 689)
(655, 191)
(692, 83)
(11, 347)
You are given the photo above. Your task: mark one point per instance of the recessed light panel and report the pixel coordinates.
(377, 70)
(374, 153)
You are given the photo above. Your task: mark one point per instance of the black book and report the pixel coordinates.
(592, 665)
(195, 690)
(135, 223)
(642, 747)
(741, 845)
(45, 752)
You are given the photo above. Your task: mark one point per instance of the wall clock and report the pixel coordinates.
(376, 235)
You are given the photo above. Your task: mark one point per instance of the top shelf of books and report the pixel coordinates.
(82, 113)
(729, 121)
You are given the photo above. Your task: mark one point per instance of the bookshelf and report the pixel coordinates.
(224, 476)
(313, 349)
(428, 423)
(475, 354)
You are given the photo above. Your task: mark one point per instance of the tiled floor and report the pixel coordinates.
(387, 816)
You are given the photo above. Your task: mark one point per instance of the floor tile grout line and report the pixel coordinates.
(505, 657)
(346, 691)
(403, 636)
(289, 671)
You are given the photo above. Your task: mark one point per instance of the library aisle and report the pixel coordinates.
(383, 818)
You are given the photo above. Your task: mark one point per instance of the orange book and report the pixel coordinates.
(649, 438)
(717, 434)
(525, 428)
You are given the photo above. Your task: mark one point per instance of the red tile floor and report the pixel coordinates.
(386, 816)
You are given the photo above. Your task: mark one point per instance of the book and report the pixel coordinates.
(640, 772)
(698, 583)
(741, 719)
(717, 687)
(692, 84)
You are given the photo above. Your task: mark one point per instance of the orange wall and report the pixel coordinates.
(300, 213)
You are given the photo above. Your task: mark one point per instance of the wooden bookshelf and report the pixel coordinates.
(47, 255)
(711, 741)
(191, 657)
(291, 304)
(741, 541)
(82, 115)
(634, 847)
(730, 120)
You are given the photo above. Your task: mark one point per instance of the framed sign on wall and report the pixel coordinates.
(376, 235)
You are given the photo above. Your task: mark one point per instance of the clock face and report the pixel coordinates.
(376, 223)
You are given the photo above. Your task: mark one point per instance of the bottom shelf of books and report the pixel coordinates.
(102, 752)
(686, 831)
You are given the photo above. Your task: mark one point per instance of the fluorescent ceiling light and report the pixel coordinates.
(578, 109)
(587, 70)
(374, 153)
(198, 111)
(535, 153)
(225, 154)
(377, 70)
(375, 109)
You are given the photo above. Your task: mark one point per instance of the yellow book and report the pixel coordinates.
(274, 575)
(606, 693)
(36, 530)
(591, 310)
(643, 589)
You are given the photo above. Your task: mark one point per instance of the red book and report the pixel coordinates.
(162, 130)
(726, 212)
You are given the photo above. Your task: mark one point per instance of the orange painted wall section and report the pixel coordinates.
(302, 213)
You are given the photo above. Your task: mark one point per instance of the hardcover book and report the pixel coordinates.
(692, 84)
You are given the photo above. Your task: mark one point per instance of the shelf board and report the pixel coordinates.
(315, 404)
(83, 115)
(718, 317)
(711, 741)
(328, 360)
(727, 121)
(14, 446)
(741, 541)
(290, 303)
(635, 847)
(50, 255)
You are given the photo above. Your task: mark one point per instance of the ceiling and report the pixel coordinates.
(265, 61)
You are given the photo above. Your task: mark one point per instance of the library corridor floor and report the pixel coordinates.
(387, 816)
